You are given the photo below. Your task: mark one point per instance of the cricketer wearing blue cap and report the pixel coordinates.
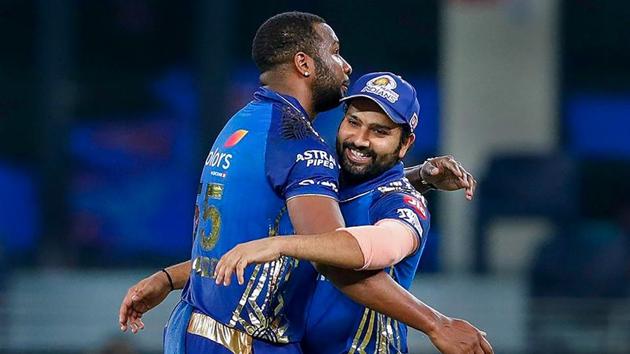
(381, 114)
(369, 196)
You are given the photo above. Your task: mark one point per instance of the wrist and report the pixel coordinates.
(414, 173)
(163, 277)
(426, 186)
(282, 245)
(435, 324)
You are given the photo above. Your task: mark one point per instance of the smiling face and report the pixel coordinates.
(369, 142)
(332, 71)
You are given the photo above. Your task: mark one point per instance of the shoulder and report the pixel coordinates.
(292, 136)
(399, 200)
(289, 124)
(297, 160)
(399, 189)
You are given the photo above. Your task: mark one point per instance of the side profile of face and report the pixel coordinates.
(368, 142)
(332, 70)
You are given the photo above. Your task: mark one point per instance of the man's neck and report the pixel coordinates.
(294, 87)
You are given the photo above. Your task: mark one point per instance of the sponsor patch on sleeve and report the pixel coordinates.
(315, 158)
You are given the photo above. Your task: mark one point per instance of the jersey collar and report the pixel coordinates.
(348, 191)
(266, 94)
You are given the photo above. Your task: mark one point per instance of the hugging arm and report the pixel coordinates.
(378, 291)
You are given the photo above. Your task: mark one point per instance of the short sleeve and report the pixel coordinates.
(298, 162)
(407, 208)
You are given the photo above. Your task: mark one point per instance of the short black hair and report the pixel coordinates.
(281, 36)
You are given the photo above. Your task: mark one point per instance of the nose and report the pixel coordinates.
(361, 138)
(346, 67)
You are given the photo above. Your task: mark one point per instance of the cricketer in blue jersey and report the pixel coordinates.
(369, 200)
(266, 164)
(372, 139)
(267, 154)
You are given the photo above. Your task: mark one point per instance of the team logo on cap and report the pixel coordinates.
(413, 122)
(383, 86)
(384, 81)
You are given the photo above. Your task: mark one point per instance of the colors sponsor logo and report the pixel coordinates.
(217, 158)
(235, 138)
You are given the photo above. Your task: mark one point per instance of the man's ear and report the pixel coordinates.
(406, 146)
(304, 64)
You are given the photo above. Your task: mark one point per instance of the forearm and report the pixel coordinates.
(375, 246)
(379, 292)
(337, 248)
(179, 273)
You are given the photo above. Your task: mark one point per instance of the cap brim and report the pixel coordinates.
(392, 115)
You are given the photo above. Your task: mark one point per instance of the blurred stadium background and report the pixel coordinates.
(107, 109)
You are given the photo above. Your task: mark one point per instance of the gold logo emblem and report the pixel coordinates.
(381, 81)
(383, 86)
(214, 191)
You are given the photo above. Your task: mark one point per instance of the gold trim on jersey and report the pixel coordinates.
(369, 317)
(260, 320)
(387, 333)
(368, 332)
(378, 345)
(234, 340)
(397, 335)
(357, 336)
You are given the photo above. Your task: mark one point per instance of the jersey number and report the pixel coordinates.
(208, 225)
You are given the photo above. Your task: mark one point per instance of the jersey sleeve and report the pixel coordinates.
(407, 208)
(298, 162)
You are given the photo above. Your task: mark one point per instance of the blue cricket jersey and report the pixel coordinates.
(337, 324)
(266, 154)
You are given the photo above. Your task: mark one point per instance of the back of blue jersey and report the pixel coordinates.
(337, 324)
(266, 153)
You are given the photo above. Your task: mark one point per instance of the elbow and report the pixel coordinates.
(341, 278)
(319, 268)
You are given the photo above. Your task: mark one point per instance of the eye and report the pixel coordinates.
(353, 122)
(381, 131)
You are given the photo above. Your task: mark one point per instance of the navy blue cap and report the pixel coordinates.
(393, 94)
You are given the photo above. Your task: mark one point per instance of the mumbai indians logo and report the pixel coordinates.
(383, 86)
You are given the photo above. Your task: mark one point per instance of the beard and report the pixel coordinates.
(354, 174)
(326, 89)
